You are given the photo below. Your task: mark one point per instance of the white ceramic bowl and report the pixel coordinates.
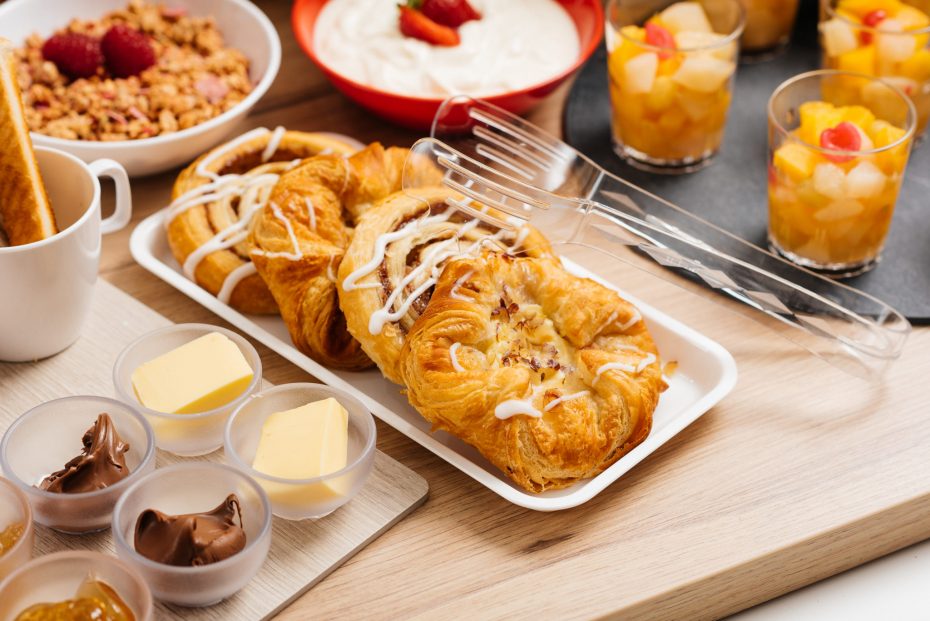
(243, 27)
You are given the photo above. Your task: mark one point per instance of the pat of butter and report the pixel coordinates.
(206, 373)
(306, 442)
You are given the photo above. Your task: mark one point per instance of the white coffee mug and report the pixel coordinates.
(46, 287)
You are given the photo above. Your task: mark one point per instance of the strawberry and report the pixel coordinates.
(128, 51)
(415, 24)
(451, 13)
(75, 55)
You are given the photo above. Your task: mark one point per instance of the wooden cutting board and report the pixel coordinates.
(302, 553)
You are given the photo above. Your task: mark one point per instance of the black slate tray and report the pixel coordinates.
(732, 191)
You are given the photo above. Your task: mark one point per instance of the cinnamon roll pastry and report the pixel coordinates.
(214, 200)
(398, 251)
(300, 237)
(550, 376)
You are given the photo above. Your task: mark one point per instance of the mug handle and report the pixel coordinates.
(123, 211)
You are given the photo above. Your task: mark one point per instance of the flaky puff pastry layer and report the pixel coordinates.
(196, 226)
(527, 340)
(300, 236)
(389, 286)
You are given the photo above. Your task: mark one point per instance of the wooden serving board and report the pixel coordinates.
(302, 553)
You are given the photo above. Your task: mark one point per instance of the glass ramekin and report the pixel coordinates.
(56, 577)
(182, 434)
(190, 488)
(46, 437)
(15, 510)
(298, 499)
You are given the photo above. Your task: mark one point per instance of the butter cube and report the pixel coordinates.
(206, 373)
(306, 442)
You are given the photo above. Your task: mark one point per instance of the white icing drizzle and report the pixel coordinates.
(273, 143)
(329, 270)
(311, 213)
(296, 255)
(612, 318)
(645, 362)
(454, 292)
(513, 407)
(632, 321)
(454, 358)
(628, 368)
(235, 277)
(563, 399)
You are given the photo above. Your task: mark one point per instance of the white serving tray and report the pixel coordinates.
(706, 372)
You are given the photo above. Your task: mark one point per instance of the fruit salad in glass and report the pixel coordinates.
(835, 169)
(768, 26)
(885, 38)
(671, 68)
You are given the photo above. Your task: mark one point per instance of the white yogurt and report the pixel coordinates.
(516, 44)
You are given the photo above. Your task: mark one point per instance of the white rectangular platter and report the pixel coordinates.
(706, 372)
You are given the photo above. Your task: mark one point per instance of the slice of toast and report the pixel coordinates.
(25, 213)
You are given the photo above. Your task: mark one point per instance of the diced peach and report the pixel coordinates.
(859, 60)
(662, 95)
(861, 7)
(795, 160)
(692, 40)
(685, 16)
(917, 67)
(865, 180)
(912, 18)
(829, 180)
(893, 47)
(839, 210)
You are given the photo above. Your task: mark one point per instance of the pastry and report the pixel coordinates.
(550, 376)
(214, 201)
(300, 236)
(397, 252)
(25, 213)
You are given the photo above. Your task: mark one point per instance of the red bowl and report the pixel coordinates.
(417, 112)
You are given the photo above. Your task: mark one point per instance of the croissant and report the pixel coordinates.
(214, 200)
(300, 236)
(550, 376)
(397, 252)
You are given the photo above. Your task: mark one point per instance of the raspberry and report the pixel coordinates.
(75, 55)
(127, 51)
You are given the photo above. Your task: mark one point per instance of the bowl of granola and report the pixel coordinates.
(151, 84)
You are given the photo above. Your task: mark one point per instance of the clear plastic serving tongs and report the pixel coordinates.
(504, 162)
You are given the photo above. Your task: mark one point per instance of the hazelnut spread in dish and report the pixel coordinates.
(191, 539)
(94, 599)
(101, 464)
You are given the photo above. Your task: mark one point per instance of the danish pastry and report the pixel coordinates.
(300, 236)
(215, 199)
(550, 376)
(397, 252)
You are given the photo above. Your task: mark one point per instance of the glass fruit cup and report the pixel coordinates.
(835, 168)
(885, 38)
(670, 68)
(768, 27)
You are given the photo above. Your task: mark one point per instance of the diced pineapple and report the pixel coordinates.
(892, 47)
(917, 67)
(795, 160)
(703, 73)
(865, 180)
(639, 73)
(865, 142)
(838, 37)
(816, 116)
(894, 160)
(672, 121)
(829, 180)
(691, 40)
(662, 94)
(859, 60)
(839, 210)
(884, 133)
(685, 16)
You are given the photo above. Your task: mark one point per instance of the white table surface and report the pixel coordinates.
(894, 588)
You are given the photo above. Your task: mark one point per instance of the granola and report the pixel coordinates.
(195, 78)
